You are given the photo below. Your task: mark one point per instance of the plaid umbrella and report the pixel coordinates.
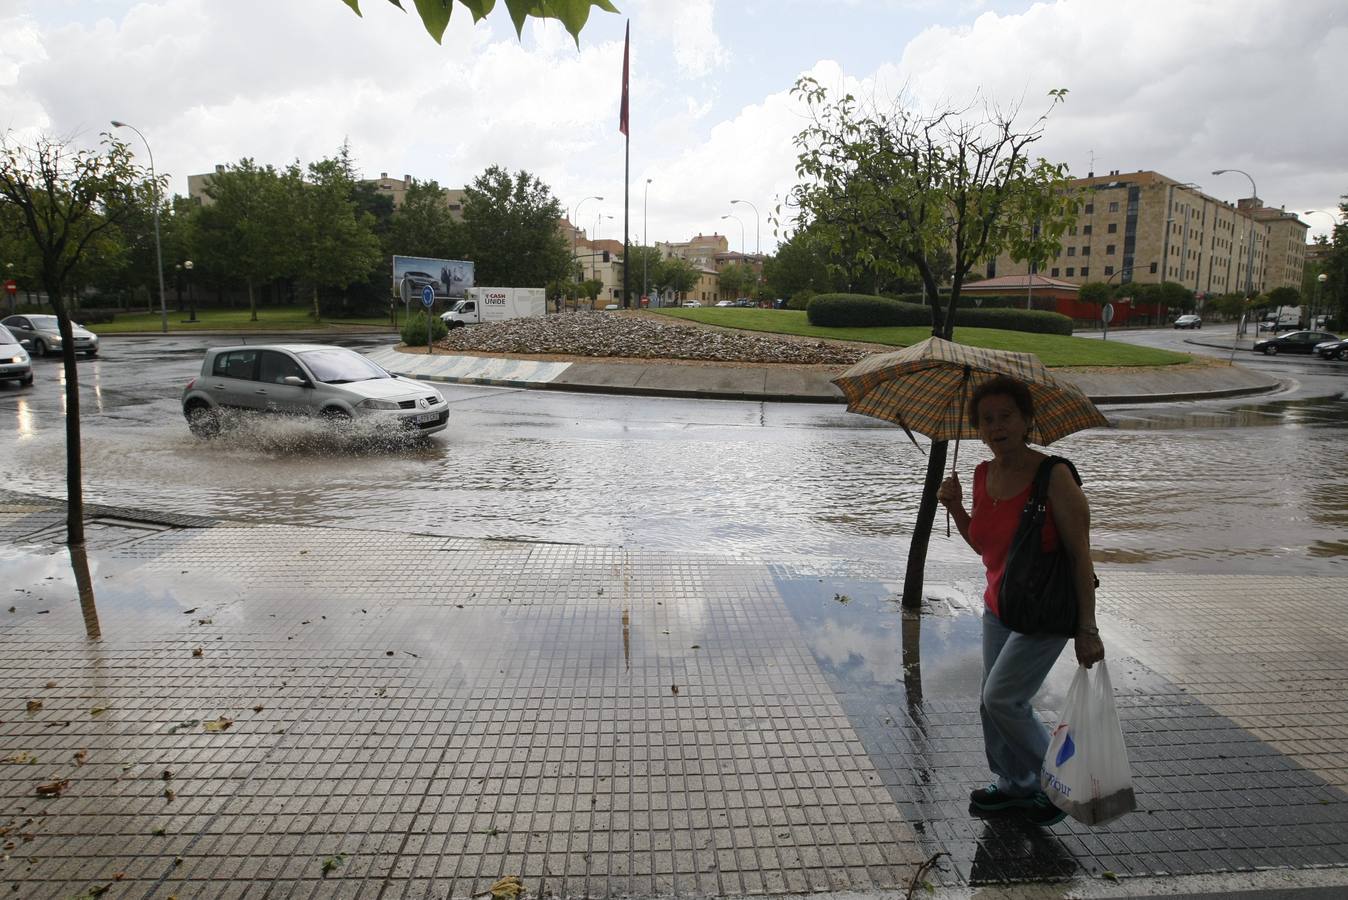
(925, 388)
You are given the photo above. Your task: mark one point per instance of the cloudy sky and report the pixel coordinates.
(1179, 86)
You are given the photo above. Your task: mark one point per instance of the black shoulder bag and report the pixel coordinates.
(1038, 593)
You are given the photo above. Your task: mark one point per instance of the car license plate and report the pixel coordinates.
(426, 417)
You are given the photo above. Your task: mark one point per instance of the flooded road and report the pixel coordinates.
(1237, 486)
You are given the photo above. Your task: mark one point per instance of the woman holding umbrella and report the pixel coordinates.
(1015, 665)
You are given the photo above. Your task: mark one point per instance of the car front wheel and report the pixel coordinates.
(203, 421)
(1270, 351)
(40, 347)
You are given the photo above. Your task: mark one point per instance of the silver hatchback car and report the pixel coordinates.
(332, 383)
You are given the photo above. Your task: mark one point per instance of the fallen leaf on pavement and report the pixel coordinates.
(53, 788)
(332, 863)
(98, 710)
(51, 684)
(190, 723)
(257, 708)
(81, 756)
(220, 724)
(674, 688)
(197, 651)
(507, 888)
(167, 774)
(170, 794)
(34, 705)
(22, 758)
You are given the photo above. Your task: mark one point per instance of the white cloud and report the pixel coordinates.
(1179, 87)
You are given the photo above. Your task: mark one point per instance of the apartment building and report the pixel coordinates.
(1148, 228)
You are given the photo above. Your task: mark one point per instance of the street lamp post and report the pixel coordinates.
(645, 244)
(1321, 278)
(741, 221)
(758, 247)
(158, 249)
(575, 213)
(1249, 263)
(191, 295)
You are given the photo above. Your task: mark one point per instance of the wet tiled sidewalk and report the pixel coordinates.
(409, 716)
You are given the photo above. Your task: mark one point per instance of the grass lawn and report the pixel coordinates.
(1052, 349)
(271, 318)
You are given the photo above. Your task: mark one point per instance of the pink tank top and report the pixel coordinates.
(992, 527)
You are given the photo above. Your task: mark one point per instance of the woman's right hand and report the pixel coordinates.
(950, 494)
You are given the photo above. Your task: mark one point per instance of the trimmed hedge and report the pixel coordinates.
(868, 311)
(413, 331)
(94, 316)
(801, 299)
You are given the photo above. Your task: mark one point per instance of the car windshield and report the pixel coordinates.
(337, 366)
(6, 337)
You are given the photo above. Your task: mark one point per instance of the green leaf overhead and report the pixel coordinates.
(573, 14)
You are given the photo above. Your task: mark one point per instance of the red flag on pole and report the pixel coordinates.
(622, 116)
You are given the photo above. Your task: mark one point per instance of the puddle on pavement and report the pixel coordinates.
(96, 594)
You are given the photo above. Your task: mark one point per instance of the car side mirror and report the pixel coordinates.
(295, 381)
(25, 343)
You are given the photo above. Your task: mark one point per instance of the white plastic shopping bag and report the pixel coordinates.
(1085, 771)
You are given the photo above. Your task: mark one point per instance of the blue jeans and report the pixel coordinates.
(1014, 668)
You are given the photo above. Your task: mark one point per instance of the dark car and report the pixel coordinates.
(1292, 342)
(1332, 349)
(1189, 321)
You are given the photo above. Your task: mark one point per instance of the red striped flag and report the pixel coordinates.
(627, 42)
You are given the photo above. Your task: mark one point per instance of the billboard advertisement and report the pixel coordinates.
(449, 277)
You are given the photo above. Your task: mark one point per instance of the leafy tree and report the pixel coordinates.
(1284, 296)
(243, 232)
(644, 262)
(736, 279)
(1172, 294)
(335, 246)
(590, 288)
(424, 226)
(572, 13)
(68, 200)
(1096, 292)
(676, 274)
(900, 188)
(511, 227)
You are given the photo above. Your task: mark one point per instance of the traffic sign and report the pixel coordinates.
(428, 296)
(11, 286)
(1107, 313)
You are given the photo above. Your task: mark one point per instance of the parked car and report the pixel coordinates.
(44, 335)
(331, 383)
(1189, 321)
(691, 304)
(14, 362)
(1293, 342)
(743, 301)
(725, 302)
(1325, 349)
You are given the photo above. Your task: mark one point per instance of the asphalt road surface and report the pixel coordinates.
(1254, 485)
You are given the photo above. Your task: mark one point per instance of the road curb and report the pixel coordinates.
(582, 388)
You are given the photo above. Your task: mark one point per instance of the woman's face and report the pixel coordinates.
(1000, 423)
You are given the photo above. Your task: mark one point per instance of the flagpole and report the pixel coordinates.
(627, 171)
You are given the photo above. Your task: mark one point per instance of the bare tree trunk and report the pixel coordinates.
(915, 572)
(79, 562)
(252, 302)
(317, 313)
(74, 474)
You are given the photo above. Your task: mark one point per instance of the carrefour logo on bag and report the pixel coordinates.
(1066, 751)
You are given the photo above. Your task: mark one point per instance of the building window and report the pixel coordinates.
(1113, 206)
(1071, 251)
(1054, 271)
(1072, 231)
(1109, 249)
(1086, 250)
(1153, 268)
(1085, 229)
(1071, 271)
(1090, 208)
(1112, 228)
(1109, 270)
(1085, 271)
